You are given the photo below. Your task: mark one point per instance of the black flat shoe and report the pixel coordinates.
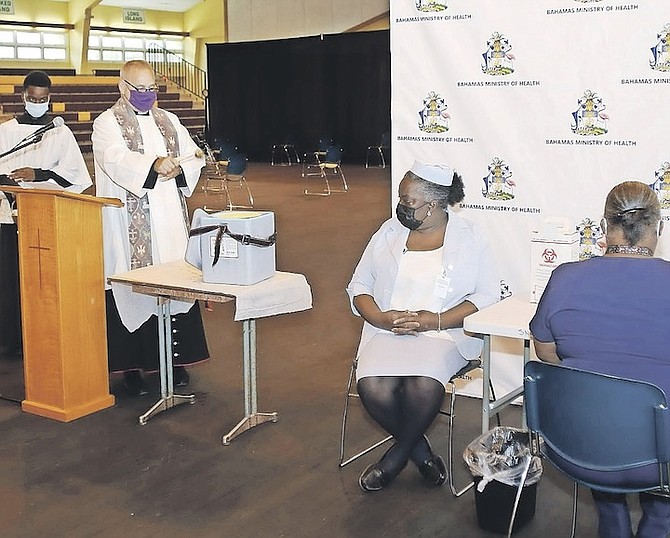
(134, 384)
(434, 471)
(373, 478)
(180, 376)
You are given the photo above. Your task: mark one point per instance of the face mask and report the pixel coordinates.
(405, 215)
(37, 110)
(142, 101)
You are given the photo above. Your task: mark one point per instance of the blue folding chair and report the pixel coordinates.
(379, 150)
(312, 159)
(331, 166)
(604, 432)
(284, 154)
(224, 151)
(236, 175)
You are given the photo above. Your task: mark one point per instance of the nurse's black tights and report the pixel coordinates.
(405, 407)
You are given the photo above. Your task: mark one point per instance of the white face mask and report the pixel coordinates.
(37, 110)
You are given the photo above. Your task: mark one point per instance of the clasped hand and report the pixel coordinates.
(407, 322)
(166, 167)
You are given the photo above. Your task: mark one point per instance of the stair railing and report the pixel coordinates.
(174, 68)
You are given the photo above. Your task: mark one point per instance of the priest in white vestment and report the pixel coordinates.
(146, 158)
(52, 160)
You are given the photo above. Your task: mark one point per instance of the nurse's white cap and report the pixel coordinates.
(439, 174)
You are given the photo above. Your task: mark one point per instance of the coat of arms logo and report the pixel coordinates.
(498, 183)
(590, 117)
(498, 60)
(662, 185)
(591, 239)
(433, 117)
(660, 52)
(429, 5)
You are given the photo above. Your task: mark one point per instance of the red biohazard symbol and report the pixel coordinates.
(549, 255)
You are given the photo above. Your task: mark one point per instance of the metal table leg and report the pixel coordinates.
(492, 407)
(251, 417)
(486, 396)
(168, 398)
(526, 358)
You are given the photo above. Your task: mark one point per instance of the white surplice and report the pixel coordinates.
(118, 170)
(58, 151)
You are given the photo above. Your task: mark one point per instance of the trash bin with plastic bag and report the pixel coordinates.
(499, 461)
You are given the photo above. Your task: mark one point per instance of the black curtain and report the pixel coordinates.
(299, 90)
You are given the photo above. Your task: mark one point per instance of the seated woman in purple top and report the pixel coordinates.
(609, 314)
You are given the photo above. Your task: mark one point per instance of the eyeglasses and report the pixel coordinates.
(35, 100)
(142, 89)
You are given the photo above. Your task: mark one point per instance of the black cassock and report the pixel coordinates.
(139, 350)
(10, 306)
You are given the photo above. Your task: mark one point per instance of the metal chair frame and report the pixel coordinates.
(313, 159)
(224, 151)
(213, 175)
(619, 424)
(330, 166)
(379, 148)
(241, 181)
(382, 158)
(450, 413)
(284, 150)
(217, 178)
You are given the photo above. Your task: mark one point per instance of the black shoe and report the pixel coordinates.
(134, 384)
(434, 471)
(180, 376)
(373, 478)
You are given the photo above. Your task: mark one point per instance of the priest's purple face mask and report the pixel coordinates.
(142, 93)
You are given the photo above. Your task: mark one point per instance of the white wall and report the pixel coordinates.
(255, 20)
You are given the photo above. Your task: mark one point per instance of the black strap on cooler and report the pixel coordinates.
(222, 229)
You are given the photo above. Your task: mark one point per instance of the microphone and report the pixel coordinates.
(56, 122)
(35, 136)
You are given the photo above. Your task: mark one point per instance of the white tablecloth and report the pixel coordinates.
(280, 294)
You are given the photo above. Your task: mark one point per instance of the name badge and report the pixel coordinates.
(443, 285)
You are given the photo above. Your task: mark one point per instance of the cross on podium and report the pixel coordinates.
(39, 249)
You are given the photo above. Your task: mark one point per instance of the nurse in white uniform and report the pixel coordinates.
(421, 273)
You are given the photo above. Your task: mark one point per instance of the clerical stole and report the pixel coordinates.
(139, 211)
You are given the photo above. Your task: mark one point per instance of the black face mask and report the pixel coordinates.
(405, 215)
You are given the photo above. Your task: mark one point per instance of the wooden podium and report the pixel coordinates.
(62, 302)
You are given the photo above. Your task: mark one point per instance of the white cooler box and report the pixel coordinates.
(240, 260)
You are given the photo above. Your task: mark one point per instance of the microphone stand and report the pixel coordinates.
(28, 141)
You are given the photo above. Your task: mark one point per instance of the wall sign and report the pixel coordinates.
(135, 16)
(7, 7)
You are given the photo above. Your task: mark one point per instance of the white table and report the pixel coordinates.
(283, 293)
(508, 318)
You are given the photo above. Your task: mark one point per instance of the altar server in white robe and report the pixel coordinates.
(145, 157)
(55, 161)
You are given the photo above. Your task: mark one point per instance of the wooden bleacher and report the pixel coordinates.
(78, 99)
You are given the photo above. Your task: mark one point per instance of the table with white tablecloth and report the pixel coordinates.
(281, 294)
